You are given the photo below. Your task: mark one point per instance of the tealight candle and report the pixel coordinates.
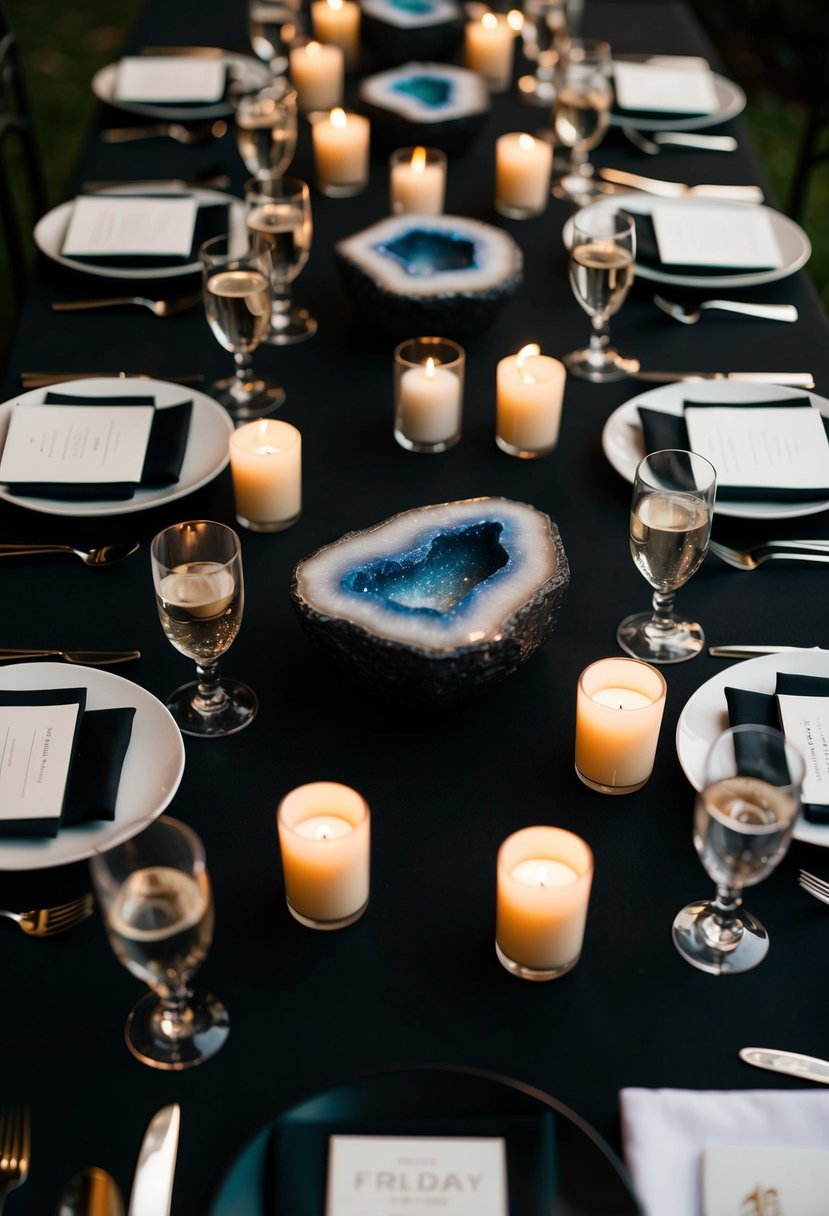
(324, 839)
(523, 168)
(490, 47)
(428, 394)
(619, 708)
(317, 71)
(529, 395)
(266, 467)
(341, 147)
(417, 181)
(337, 22)
(543, 889)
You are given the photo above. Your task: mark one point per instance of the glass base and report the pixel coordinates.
(341, 189)
(601, 788)
(289, 327)
(512, 449)
(600, 366)
(537, 974)
(638, 637)
(311, 922)
(519, 213)
(580, 188)
(747, 948)
(414, 445)
(257, 398)
(535, 92)
(235, 711)
(259, 525)
(171, 1046)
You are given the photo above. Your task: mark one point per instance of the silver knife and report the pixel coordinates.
(152, 1187)
(653, 185)
(792, 1063)
(750, 652)
(43, 379)
(86, 658)
(794, 379)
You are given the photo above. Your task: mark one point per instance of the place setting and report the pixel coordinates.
(183, 84)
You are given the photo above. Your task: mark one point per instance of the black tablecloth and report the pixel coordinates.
(416, 979)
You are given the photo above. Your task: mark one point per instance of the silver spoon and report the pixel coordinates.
(690, 316)
(103, 555)
(93, 1192)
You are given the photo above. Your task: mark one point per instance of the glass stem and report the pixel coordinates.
(243, 374)
(174, 1017)
(282, 305)
(209, 697)
(600, 337)
(721, 927)
(662, 620)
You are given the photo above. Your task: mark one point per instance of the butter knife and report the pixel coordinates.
(152, 1188)
(652, 185)
(86, 658)
(792, 1063)
(794, 379)
(750, 652)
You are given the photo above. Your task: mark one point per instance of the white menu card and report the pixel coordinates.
(805, 722)
(162, 78)
(765, 1181)
(676, 90)
(108, 225)
(35, 754)
(782, 448)
(735, 234)
(380, 1175)
(76, 443)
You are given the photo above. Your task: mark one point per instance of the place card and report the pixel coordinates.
(169, 78)
(762, 446)
(673, 90)
(108, 225)
(764, 1181)
(87, 444)
(376, 1175)
(38, 731)
(805, 722)
(738, 235)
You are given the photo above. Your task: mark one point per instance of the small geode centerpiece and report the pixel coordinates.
(437, 274)
(437, 603)
(425, 103)
(399, 30)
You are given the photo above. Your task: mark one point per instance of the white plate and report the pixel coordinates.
(246, 72)
(705, 715)
(150, 777)
(624, 447)
(731, 101)
(793, 242)
(205, 456)
(50, 231)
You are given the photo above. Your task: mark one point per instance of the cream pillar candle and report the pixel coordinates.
(341, 147)
(266, 467)
(490, 47)
(619, 708)
(523, 167)
(317, 72)
(324, 839)
(529, 395)
(337, 22)
(543, 889)
(428, 394)
(417, 181)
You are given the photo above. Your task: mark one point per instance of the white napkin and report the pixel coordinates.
(666, 1130)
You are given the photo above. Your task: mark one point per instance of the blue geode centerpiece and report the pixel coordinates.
(438, 603)
(436, 104)
(399, 30)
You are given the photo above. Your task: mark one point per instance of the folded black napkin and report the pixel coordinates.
(647, 253)
(212, 219)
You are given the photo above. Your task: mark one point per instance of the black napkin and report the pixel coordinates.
(212, 219)
(96, 772)
(43, 696)
(647, 253)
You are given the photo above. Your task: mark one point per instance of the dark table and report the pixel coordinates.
(416, 979)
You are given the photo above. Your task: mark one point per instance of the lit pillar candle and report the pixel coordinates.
(523, 166)
(324, 839)
(529, 394)
(338, 22)
(317, 71)
(428, 394)
(417, 181)
(619, 708)
(266, 466)
(543, 889)
(341, 148)
(490, 47)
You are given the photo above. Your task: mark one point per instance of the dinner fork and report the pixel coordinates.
(814, 886)
(15, 1149)
(170, 130)
(791, 550)
(654, 143)
(46, 922)
(689, 316)
(161, 308)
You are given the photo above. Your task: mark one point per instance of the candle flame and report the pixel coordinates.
(526, 143)
(418, 160)
(526, 352)
(338, 118)
(323, 832)
(515, 20)
(430, 368)
(489, 21)
(541, 876)
(313, 48)
(335, 4)
(263, 429)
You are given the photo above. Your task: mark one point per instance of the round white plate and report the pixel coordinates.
(731, 101)
(150, 777)
(205, 456)
(793, 242)
(624, 446)
(50, 232)
(705, 715)
(246, 73)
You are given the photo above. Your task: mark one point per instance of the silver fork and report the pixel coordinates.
(791, 550)
(814, 886)
(169, 130)
(46, 922)
(15, 1149)
(161, 308)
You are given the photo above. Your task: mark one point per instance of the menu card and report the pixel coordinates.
(109, 225)
(805, 722)
(675, 90)
(77, 444)
(170, 78)
(765, 1181)
(776, 448)
(38, 732)
(737, 235)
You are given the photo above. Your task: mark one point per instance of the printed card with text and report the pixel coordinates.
(765, 1181)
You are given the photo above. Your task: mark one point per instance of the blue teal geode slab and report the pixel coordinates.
(399, 30)
(425, 103)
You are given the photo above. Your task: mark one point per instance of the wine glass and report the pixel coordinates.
(199, 590)
(670, 526)
(280, 225)
(266, 129)
(602, 253)
(237, 302)
(544, 36)
(157, 906)
(743, 821)
(581, 109)
(272, 27)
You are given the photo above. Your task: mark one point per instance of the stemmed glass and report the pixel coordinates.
(237, 302)
(266, 129)
(602, 253)
(670, 526)
(280, 225)
(272, 27)
(581, 109)
(544, 37)
(199, 591)
(743, 821)
(157, 906)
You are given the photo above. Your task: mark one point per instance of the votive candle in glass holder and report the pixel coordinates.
(417, 181)
(317, 71)
(490, 50)
(266, 467)
(543, 889)
(341, 148)
(529, 389)
(619, 707)
(523, 168)
(337, 22)
(325, 842)
(428, 394)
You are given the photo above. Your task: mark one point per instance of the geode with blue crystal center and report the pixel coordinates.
(437, 104)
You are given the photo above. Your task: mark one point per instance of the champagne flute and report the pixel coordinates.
(272, 27)
(581, 110)
(670, 526)
(237, 302)
(199, 590)
(157, 906)
(602, 253)
(280, 225)
(266, 129)
(544, 36)
(743, 821)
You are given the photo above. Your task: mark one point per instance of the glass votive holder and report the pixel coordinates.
(428, 394)
(266, 467)
(325, 842)
(543, 889)
(619, 707)
(341, 153)
(417, 181)
(523, 169)
(529, 391)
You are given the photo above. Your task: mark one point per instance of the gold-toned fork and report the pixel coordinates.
(161, 308)
(46, 922)
(15, 1148)
(816, 887)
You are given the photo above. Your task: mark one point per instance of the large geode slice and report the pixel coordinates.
(440, 274)
(399, 30)
(425, 103)
(437, 603)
